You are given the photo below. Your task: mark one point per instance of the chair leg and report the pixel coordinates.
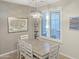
(25, 58)
(56, 57)
(20, 56)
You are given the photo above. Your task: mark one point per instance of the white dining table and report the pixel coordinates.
(41, 47)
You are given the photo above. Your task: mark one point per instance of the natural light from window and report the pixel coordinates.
(50, 24)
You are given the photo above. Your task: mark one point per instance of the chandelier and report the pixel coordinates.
(35, 12)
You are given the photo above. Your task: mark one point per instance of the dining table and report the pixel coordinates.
(41, 47)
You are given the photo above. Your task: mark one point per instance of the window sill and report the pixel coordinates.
(51, 39)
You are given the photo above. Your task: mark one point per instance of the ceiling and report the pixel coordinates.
(33, 3)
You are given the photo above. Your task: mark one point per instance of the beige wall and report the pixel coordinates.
(70, 38)
(8, 40)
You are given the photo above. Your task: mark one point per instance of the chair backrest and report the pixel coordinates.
(29, 49)
(26, 48)
(54, 52)
(24, 37)
(20, 42)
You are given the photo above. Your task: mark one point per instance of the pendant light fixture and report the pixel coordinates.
(35, 13)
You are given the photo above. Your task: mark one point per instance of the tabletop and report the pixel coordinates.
(41, 47)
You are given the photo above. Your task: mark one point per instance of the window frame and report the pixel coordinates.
(50, 38)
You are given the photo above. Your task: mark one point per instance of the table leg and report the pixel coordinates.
(41, 58)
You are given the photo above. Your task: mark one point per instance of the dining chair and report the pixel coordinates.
(22, 38)
(26, 50)
(54, 52)
(19, 42)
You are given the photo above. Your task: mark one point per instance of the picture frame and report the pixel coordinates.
(74, 23)
(17, 24)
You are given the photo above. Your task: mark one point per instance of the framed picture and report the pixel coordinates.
(17, 24)
(74, 23)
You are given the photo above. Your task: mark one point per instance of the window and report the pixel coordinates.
(45, 25)
(55, 25)
(50, 24)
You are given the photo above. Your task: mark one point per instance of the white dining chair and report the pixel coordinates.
(54, 52)
(24, 48)
(26, 51)
(19, 41)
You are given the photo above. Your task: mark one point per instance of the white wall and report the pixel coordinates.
(70, 38)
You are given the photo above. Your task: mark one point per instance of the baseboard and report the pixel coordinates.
(16, 50)
(8, 53)
(66, 55)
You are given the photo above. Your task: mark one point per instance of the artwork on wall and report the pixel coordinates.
(17, 24)
(74, 23)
